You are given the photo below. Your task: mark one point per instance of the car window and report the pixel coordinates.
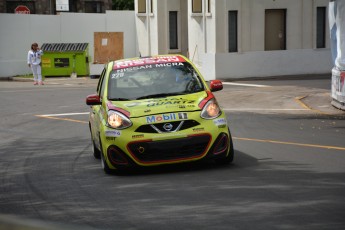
(140, 81)
(102, 84)
(101, 78)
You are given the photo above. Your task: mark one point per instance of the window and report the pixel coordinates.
(196, 6)
(72, 6)
(142, 6)
(139, 83)
(173, 30)
(151, 6)
(101, 83)
(232, 21)
(321, 27)
(94, 7)
(208, 6)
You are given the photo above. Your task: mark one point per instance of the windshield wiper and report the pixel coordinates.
(119, 99)
(158, 95)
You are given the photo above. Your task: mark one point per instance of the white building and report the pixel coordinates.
(239, 38)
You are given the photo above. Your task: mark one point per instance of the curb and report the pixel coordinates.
(6, 78)
(20, 79)
(338, 104)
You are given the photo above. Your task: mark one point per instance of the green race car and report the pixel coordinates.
(156, 110)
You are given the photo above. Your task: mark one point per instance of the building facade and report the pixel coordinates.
(239, 38)
(54, 6)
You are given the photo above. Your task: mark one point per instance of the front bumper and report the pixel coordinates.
(146, 146)
(150, 153)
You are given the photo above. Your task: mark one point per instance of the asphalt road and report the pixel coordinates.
(288, 172)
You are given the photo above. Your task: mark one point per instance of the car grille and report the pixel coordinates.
(170, 150)
(162, 127)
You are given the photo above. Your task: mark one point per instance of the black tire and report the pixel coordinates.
(104, 164)
(229, 158)
(96, 152)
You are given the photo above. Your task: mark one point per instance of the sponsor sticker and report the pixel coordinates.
(137, 136)
(180, 106)
(147, 61)
(132, 104)
(166, 117)
(170, 102)
(220, 121)
(112, 133)
(198, 129)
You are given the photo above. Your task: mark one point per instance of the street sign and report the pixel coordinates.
(21, 9)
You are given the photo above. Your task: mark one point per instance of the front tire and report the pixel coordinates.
(230, 157)
(95, 150)
(104, 164)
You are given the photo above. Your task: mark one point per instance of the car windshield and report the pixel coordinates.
(153, 81)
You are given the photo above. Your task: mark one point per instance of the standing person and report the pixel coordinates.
(34, 62)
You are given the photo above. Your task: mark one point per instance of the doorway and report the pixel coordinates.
(275, 29)
(108, 46)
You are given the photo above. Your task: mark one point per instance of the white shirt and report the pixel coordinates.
(34, 57)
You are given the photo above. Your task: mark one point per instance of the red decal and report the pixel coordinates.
(148, 61)
(206, 99)
(113, 107)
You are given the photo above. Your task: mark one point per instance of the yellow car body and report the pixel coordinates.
(156, 110)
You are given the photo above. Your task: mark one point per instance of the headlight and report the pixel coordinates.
(117, 120)
(211, 110)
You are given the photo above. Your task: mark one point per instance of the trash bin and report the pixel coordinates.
(65, 59)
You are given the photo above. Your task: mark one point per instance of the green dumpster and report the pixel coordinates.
(65, 59)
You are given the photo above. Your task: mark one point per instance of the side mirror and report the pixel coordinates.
(93, 99)
(216, 85)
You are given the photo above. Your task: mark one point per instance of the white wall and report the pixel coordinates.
(18, 32)
(272, 63)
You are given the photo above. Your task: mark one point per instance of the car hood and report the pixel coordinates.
(180, 103)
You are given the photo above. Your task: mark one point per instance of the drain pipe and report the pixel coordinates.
(205, 27)
(148, 26)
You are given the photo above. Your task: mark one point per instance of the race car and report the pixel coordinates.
(156, 110)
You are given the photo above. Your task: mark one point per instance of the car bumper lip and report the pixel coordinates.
(189, 148)
(149, 152)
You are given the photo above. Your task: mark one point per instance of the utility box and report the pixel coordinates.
(65, 59)
(338, 88)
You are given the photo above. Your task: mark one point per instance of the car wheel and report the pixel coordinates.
(229, 158)
(104, 164)
(96, 152)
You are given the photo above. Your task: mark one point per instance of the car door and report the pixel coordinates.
(96, 115)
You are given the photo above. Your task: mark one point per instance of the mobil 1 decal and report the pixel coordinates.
(166, 117)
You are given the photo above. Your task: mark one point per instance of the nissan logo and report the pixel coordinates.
(168, 127)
